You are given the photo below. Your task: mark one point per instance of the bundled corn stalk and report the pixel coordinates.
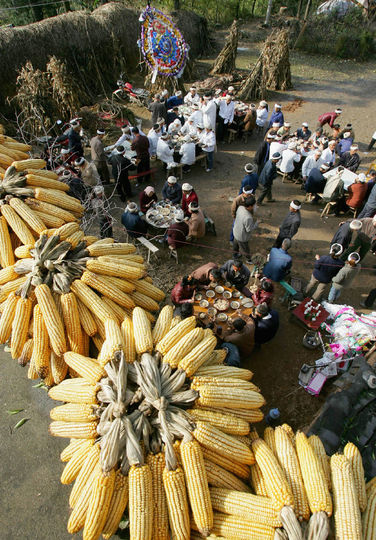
(63, 291)
(225, 61)
(154, 421)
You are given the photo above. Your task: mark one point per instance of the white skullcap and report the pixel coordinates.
(275, 124)
(178, 93)
(164, 92)
(191, 119)
(263, 104)
(295, 206)
(64, 151)
(278, 106)
(270, 136)
(132, 207)
(200, 126)
(362, 177)
(98, 190)
(230, 88)
(346, 135)
(208, 125)
(172, 180)
(336, 249)
(177, 122)
(248, 191)
(100, 132)
(191, 207)
(354, 256)
(291, 146)
(287, 124)
(192, 88)
(277, 137)
(67, 174)
(187, 138)
(186, 187)
(79, 161)
(249, 167)
(325, 166)
(355, 225)
(354, 147)
(332, 142)
(276, 155)
(164, 136)
(338, 111)
(305, 124)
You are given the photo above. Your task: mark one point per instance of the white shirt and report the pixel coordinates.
(121, 140)
(196, 116)
(153, 141)
(208, 139)
(164, 152)
(276, 147)
(262, 116)
(188, 129)
(190, 100)
(188, 153)
(174, 128)
(289, 157)
(226, 111)
(328, 156)
(209, 111)
(311, 163)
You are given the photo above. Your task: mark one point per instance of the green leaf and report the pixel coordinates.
(15, 411)
(39, 385)
(21, 423)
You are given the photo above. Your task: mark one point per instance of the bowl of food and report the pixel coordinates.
(222, 317)
(235, 304)
(219, 289)
(221, 304)
(198, 297)
(248, 304)
(236, 294)
(210, 294)
(202, 316)
(213, 284)
(227, 294)
(204, 303)
(212, 312)
(227, 284)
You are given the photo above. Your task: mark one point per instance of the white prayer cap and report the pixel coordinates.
(164, 92)
(100, 132)
(278, 106)
(287, 124)
(192, 88)
(249, 168)
(206, 98)
(305, 124)
(277, 138)
(164, 136)
(354, 256)
(192, 206)
(338, 111)
(208, 126)
(270, 136)
(79, 161)
(291, 146)
(295, 206)
(263, 104)
(132, 207)
(172, 180)
(186, 187)
(230, 98)
(64, 151)
(191, 119)
(98, 190)
(355, 225)
(362, 177)
(318, 151)
(230, 88)
(177, 122)
(275, 124)
(346, 135)
(247, 191)
(178, 93)
(325, 166)
(66, 175)
(336, 249)
(195, 106)
(187, 138)
(200, 126)
(276, 155)
(354, 147)
(332, 142)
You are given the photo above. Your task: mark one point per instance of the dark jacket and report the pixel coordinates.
(120, 165)
(78, 189)
(277, 116)
(262, 154)
(134, 225)
(145, 200)
(315, 182)
(158, 110)
(278, 265)
(243, 339)
(172, 192)
(326, 268)
(343, 235)
(171, 116)
(174, 101)
(239, 281)
(177, 234)
(269, 172)
(141, 146)
(74, 142)
(305, 135)
(349, 161)
(266, 328)
(290, 225)
(250, 180)
(344, 146)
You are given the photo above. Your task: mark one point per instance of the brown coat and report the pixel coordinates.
(244, 340)
(202, 273)
(238, 201)
(250, 120)
(196, 224)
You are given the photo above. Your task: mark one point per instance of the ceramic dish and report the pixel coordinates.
(219, 289)
(236, 294)
(202, 315)
(227, 284)
(210, 294)
(198, 297)
(212, 284)
(221, 304)
(204, 303)
(222, 317)
(235, 305)
(227, 294)
(212, 311)
(248, 304)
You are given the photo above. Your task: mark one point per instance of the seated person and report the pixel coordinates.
(279, 263)
(174, 127)
(177, 233)
(242, 334)
(266, 323)
(196, 222)
(188, 153)
(236, 273)
(164, 152)
(189, 195)
(316, 181)
(357, 192)
(184, 291)
(184, 310)
(132, 222)
(171, 191)
(147, 199)
(232, 354)
(264, 293)
(206, 274)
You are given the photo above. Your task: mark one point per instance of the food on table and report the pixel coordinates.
(227, 294)
(221, 304)
(236, 294)
(204, 303)
(235, 304)
(198, 297)
(210, 294)
(219, 289)
(212, 311)
(222, 317)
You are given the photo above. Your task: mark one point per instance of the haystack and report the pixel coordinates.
(225, 61)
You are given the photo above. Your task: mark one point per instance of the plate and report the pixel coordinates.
(202, 315)
(219, 289)
(204, 303)
(235, 305)
(198, 297)
(210, 294)
(227, 294)
(222, 317)
(248, 304)
(236, 294)
(221, 304)
(227, 284)
(212, 311)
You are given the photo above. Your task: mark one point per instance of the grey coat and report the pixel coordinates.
(244, 225)
(345, 276)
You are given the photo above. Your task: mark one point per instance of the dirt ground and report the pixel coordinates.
(34, 503)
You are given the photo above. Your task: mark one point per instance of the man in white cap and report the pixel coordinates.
(225, 116)
(177, 232)
(329, 117)
(316, 181)
(64, 156)
(74, 139)
(153, 136)
(344, 144)
(209, 111)
(99, 157)
(303, 132)
(132, 222)
(346, 230)
(188, 153)
(120, 167)
(263, 152)
(269, 172)
(244, 225)
(248, 123)
(290, 156)
(87, 171)
(262, 114)
(164, 152)
(101, 211)
(171, 191)
(290, 225)
(329, 154)
(357, 192)
(277, 116)
(277, 146)
(208, 143)
(351, 160)
(284, 131)
(197, 114)
(247, 191)
(174, 127)
(192, 97)
(230, 91)
(175, 100)
(364, 240)
(312, 161)
(189, 195)
(196, 222)
(189, 127)
(345, 276)
(326, 267)
(250, 179)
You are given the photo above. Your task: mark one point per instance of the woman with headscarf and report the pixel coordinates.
(184, 291)
(147, 198)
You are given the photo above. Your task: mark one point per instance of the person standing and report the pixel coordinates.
(100, 210)
(351, 160)
(87, 171)
(276, 116)
(209, 112)
(74, 140)
(99, 157)
(365, 238)
(225, 116)
(243, 227)
(345, 276)
(326, 267)
(188, 153)
(250, 179)
(372, 142)
(240, 200)
(175, 100)
(153, 136)
(266, 179)
(140, 145)
(329, 117)
(164, 152)
(263, 152)
(157, 109)
(208, 146)
(196, 222)
(290, 225)
(279, 262)
(262, 114)
(120, 166)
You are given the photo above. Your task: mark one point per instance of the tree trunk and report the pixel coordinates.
(176, 5)
(253, 7)
(268, 13)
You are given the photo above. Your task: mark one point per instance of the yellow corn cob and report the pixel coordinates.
(314, 477)
(369, 516)
(18, 226)
(12, 153)
(91, 300)
(209, 436)
(101, 241)
(128, 340)
(163, 323)
(160, 527)
(91, 462)
(7, 274)
(52, 319)
(142, 331)
(71, 319)
(275, 479)
(41, 348)
(89, 239)
(144, 301)
(98, 341)
(86, 319)
(48, 220)
(97, 249)
(370, 486)
(175, 334)
(235, 527)
(290, 432)
(66, 230)
(74, 445)
(50, 209)
(77, 430)
(11, 286)
(101, 284)
(9, 142)
(216, 358)
(183, 347)
(48, 379)
(78, 516)
(74, 465)
(246, 506)
(250, 415)
(7, 317)
(324, 460)
(99, 505)
(75, 238)
(231, 398)
(346, 508)
(193, 360)
(49, 183)
(88, 368)
(120, 283)
(114, 269)
(230, 464)
(74, 391)
(123, 259)
(27, 215)
(20, 326)
(118, 312)
(114, 337)
(118, 503)
(27, 352)
(258, 481)
(148, 289)
(73, 412)
(177, 503)
(29, 164)
(42, 172)
(100, 326)
(58, 367)
(23, 252)
(220, 477)
(288, 459)
(59, 198)
(5, 161)
(175, 320)
(223, 382)
(225, 422)
(140, 503)
(269, 438)
(31, 372)
(6, 250)
(224, 371)
(353, 455)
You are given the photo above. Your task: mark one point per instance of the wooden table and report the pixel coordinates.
(230, 312)
(313, 325)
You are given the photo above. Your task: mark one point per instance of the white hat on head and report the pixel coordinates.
(172, 180)
(354, 147)
(79, 161)
(187, 138)
(346, 135)
(200, 126)
(278, 106)
(277, 137)
(230, 88)
(249, 168)
(192, 206)
(333, 141)
(164, 136)
(195, 106)
(132, 207)
(295, 206)
(164, 92)
(100, 132)
(336, 249)
(177, 122)
(276, 155)
(263, 104)
(64, 151)
(98, 190)
(291, 146)
(356, 225)
(178, 93)
(305, 124)
(275, 124)
(66, 175)
(362, 177)
(192, 88)
(186, 187)
(338, 111)
(354, 256)
(248, 191)
(287, 124)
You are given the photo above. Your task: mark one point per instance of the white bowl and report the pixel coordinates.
(219, 289)
(210, 294)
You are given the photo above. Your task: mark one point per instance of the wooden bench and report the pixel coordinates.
(152, 249)
(231, 135)
(289, 291)
(202, 158)
(142, 174)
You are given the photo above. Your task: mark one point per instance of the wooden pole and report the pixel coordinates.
(308, 7)
(268, 13)
(299, 9)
